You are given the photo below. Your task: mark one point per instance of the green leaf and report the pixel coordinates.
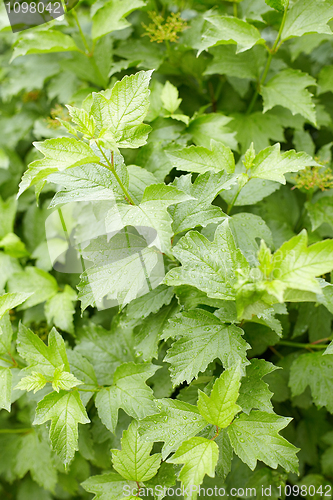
(296, 265)
(288, 89)
(226, 61)
(289, 161)
(66, 411)
(213, 126)
(134, 461)
(8, 267)
(201, 338)
(200, 159)
(5, 388)
(64, 380)
(279, 5)
(169, 97)
(37, 354)
(258, 128)
(6, 333)
(105, 350)
(220, 407)
(175, 422)
(43, 41)
(226, 454)
(84, 123)
(35, 284)
(197, 212)
(208, 266)
(107, 486)
(110, 16)
(325, 78)
(121, 115)
(7, 215)
(90, 182)
(147, 335)
(151, 212)
(59, 309)
(199, 456)
(129, 392)
(247, 228)
(123, 269)
(84, 371)
(308, 16)
(254, 392)
(150, 303)
(10, 300)
(34, 382)
(315, 370)
(34, 455)
(255, 437)
(60, 153)
(320, 212)
(223, 29)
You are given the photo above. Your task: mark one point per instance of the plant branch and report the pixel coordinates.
(111, 167)
(272, 51)
(230, 207)
(83, 38)
(300, 345)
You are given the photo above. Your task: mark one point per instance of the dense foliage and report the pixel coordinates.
(166, 244)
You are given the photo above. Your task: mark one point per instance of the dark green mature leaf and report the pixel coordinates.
(315, 370)
(107, 486)
(5, 388)
(201, 338)
(175, 422)
(255, 437)
(279, 5)
(199, 212)
(308, 16)
(320, 212)
(242, 65)
(129, 391)
(209, 266)
(43, 41)
(222, 29)
(288, 89)
(110, 16)
(254, 392)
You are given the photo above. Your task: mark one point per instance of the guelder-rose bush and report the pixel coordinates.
(166, 249)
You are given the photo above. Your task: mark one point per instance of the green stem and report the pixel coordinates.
(230, 207)
(84, 40)
(63, 224)
(235, 10)
(216, 433)
(111, 167)
(301, 346)
(272, 51)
